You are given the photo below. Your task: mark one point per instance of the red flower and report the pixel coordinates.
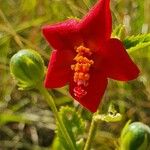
(85, 56)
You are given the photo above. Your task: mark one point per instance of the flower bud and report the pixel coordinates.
(27, 67)
(135, 136)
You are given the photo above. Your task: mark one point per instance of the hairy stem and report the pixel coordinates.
(91, 134)
(50, 102)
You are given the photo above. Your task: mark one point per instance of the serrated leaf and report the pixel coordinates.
(74, 125)
(137, 42)
(131, 43)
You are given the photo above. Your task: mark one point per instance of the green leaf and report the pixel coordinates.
(56, 144)
(137, 42)
(119, 32)
(108, 117)
(111, 116)
(74, 125)
(10, 117)
(134, 42)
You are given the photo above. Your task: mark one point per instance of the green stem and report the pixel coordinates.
(92, 131)
(51, 103)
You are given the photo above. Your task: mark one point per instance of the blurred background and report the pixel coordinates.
(26, 122)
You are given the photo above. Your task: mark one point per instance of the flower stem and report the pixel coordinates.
(50, 102)
(92, 131)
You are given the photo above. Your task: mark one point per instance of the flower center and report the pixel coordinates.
(81, 70)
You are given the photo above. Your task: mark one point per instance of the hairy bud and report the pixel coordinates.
(135, 136)
(27, 67)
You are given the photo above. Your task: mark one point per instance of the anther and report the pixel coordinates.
(82, 49)
(81, 70)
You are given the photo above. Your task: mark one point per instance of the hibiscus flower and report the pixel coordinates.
(85, 56)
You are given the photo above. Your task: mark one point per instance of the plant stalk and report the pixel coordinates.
(92, 132)
(50, 101)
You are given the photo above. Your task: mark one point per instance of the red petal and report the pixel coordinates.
(95, 91)
(96, 25)
(58, 69)
(118, 64)
(62, 35)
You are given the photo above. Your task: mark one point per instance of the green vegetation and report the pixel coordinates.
(26, 121)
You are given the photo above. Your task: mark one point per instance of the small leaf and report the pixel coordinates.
(137, 42)
(111, 116)
(131, 43)
(119, 32)
(74, 125)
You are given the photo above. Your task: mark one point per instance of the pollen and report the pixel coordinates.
(81, 70)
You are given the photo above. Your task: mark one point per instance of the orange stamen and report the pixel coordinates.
(81, 70)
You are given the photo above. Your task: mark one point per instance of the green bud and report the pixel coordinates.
(135, 136)
(27, 67)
